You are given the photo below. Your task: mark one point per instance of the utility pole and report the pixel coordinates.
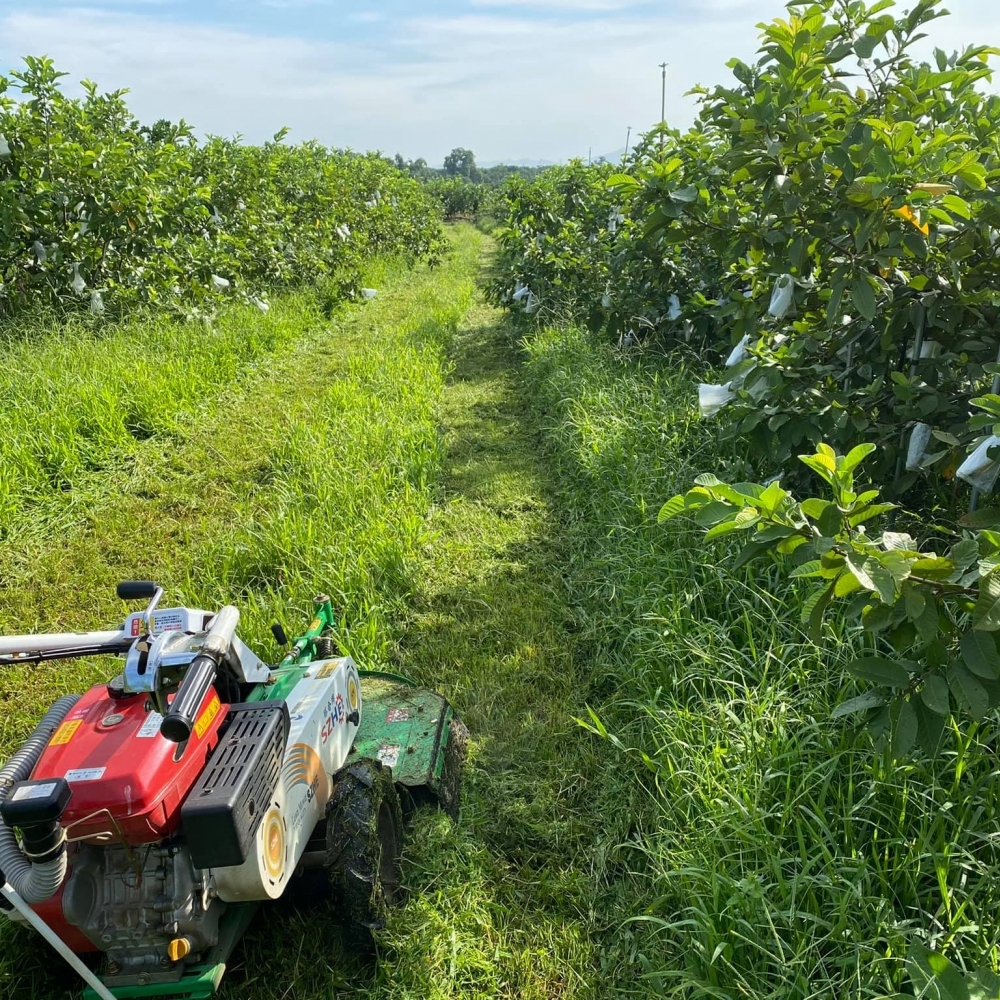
(663, 102)
(590, 155)
(628, 139)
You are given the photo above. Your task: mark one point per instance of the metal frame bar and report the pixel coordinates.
(15, 645)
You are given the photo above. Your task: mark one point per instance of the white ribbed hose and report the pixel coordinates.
(33, 882)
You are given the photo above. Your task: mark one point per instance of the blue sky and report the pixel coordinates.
(510, 79)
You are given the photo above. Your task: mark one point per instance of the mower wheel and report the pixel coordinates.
(450, 789)
(364, 841)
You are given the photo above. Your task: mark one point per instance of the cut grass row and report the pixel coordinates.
(421, 500)
(311, 471)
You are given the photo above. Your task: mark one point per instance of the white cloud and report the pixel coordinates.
(576, 5)
(509, 84)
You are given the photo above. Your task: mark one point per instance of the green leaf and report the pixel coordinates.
(914, 602)
(813, 610)
(863, 702)
(990, 402)
(847, 583)
(714, 512)
(674, 506)
(986, 615)
(747, 518)
(973, 175)
(984, 984)
(885, 582)
(856, 456)
(775, 533)
(986, 517)
(930, 727)
(814, 508)
(904, 733)
(830, 521)
(623, 182)
(875, 510)
(933, 976)
(957, 206)
(968, 692)
(879, 723)
(979, 651)
(933, 567)
(878, 670)
(833, 309)
(864, 297)
(964, 553)
(882, 159)
(875, 577)
(725, 528)
(750, 551)
(876, 617)
(934, 694)
(865, 46)
(684, 194)
(809, 569)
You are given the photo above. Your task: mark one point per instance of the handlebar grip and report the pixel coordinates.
(179, 720)
(136, 590)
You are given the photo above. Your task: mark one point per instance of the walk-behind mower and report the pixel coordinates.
(142, 824)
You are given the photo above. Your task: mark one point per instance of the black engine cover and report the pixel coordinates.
(222, 812)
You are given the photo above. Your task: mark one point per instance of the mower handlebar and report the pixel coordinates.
(199, 677)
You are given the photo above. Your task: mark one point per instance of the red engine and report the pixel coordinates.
(128, 782)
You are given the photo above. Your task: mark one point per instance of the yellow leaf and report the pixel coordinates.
(913, 218)
(935, 190)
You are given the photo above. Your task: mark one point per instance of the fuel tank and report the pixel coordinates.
(128, 782)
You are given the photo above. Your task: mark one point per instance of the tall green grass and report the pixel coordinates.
(778, 855)
(492, 531)
(345, 484)
(75, 398)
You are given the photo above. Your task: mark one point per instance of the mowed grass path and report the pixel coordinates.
(385, 457)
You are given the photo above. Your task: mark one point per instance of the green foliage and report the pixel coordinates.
(558, 244)
(935, 978)
(98, 212)
(931, 617)
(459, 197)
(462, 163)
(839, 167)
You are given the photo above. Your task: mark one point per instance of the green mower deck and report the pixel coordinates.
(406, 728)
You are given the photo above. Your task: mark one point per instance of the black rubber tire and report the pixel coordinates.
(450, 790)
(364, 843)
